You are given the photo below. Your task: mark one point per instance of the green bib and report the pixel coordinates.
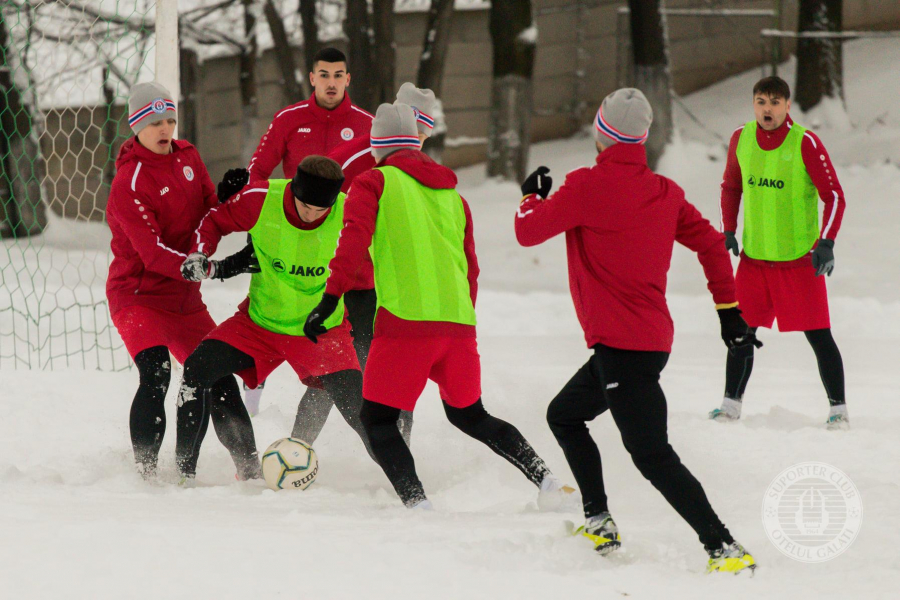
(294, 265)
(781, 204)
(420, 263)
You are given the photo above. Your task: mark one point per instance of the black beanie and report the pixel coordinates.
(314, 190)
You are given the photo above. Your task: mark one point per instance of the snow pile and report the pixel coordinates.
(71, 503)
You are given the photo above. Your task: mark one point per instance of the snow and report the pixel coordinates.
(77, 522)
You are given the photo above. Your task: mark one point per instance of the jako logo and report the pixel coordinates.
(164, 191)
(302, 271)
(763, 182)
(304, 130)
(278, 265)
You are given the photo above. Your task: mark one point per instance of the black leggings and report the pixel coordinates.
(210, 389)
(315, 405)
(397, 461)
(148, 414)
(739, 366)
(627, 383)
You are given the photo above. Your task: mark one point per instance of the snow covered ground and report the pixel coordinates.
(77, 522)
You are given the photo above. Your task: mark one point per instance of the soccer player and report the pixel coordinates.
(159, 195)
(621, 221)
(782, 170)
(315, 126)
(355, 157)
(295, 226)
(426, 271)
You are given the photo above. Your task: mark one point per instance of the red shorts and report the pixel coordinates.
(793, 296)
(142, 327)
(333, 353)
(398, 368)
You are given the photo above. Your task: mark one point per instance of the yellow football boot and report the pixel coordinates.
(603, 532)
(731, 558)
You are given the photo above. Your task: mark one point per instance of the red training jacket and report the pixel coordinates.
(155, 204)
(303, 129)
(354, 157)
(360, 212)
(621, 221)
(818, 165)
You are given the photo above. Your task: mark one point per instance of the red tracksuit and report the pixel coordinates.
(269, 349)
(155, 204)
(405, 353)
(621, 221)
(303, 129)
(354, 157)
(787, 291)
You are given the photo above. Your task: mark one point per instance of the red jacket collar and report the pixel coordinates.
(422, 168)
(132, 150)
(770, 140)
(623, 153)
(341, 110)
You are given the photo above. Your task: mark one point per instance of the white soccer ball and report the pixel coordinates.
(290, 464)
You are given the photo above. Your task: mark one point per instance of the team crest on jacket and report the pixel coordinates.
(188, 173)
(346, 134)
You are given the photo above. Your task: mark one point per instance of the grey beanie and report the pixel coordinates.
(149, 103)
(394, 128)
(422, 102)
(624, 118)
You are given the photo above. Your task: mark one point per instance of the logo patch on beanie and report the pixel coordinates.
(346, 134)
(159, 106)
(188, 173)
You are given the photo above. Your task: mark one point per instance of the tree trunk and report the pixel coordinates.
(820, 65)
(293, 93)
(651, 72)
(357, 28)
(431, 70)
(109, 131)
(248, 84)
(23, 164)
(189, 76)
(310, 32)
(383, 51)
(513, 36)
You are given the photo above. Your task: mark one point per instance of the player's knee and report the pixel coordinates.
(379, 419)
(155, 370)
(560, 419)
(653, 462)
(466, 419)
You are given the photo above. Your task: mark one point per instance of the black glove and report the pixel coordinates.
(731, 243)
(823, 257)
(538, 183)
(233, 182)
(240, 262)
(315, 322)
(197, 267)
(735, 331)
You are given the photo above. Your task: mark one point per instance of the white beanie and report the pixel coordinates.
(149, 103)
(422, 102)
(394, 128)
(624, 118)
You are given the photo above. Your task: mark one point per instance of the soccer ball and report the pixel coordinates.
(290, 464)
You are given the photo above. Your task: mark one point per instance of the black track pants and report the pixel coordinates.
(739, 366)
(397, 461)
(209, 389)
(627, 383)
(148, 414)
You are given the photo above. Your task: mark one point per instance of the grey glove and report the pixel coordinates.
(197, 267)
(823, 257)
(731, 243)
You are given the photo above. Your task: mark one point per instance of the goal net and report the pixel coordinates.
(67, 69)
